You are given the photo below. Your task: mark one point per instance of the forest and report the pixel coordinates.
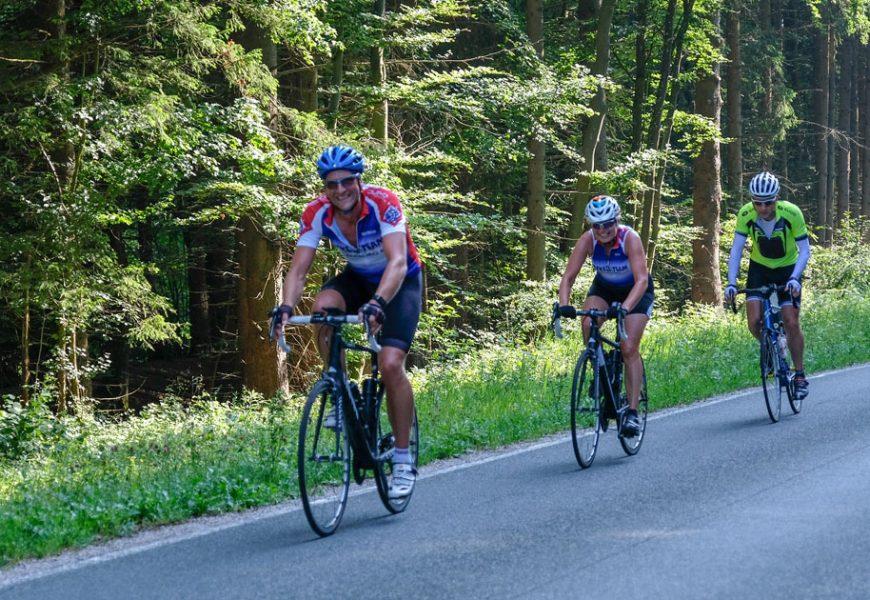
(155, 156)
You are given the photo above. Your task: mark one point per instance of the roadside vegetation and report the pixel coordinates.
(69, 481)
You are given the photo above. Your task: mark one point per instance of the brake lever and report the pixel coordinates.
(556, 324)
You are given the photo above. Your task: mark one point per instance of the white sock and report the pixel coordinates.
(402, 456)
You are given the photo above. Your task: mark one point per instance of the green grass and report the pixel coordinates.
(103, 480)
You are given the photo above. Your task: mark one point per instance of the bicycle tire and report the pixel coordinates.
(323, 460)
(769, 378)
(631, 445)
(385, 442)
(585, 404)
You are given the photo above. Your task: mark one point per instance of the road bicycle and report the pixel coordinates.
(344, 430)
(598, 392)
(776, 376)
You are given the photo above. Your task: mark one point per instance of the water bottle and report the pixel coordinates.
(783, 345)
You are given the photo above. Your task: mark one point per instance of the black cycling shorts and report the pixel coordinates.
(611, 294)
(760, 275)
(402, 312)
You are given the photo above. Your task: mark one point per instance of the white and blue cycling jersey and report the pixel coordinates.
(613, 267)
(381, 214)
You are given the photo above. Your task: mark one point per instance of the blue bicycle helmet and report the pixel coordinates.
(340, 157)
(764, 185)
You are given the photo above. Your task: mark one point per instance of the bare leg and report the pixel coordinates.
(592, 302)
(753, 317)
(795, 337)
(326, 299)
(400, 396)
(634, 326)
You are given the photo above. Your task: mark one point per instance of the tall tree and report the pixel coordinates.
(706, 187)
(378, 75)
(820, 116)
(844, 132)
(595, 125)
(536, 175)
(263, 366)
(865, 136)
(734, 75)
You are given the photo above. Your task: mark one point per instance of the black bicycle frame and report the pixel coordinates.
(595, 347)
(363, 423)
(596, 343)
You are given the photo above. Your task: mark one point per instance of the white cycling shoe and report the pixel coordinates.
(402, 481)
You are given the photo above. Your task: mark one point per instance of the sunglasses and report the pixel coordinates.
(332, 184)
(605, 225)
(763, 202)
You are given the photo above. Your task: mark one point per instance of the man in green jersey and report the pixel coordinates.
(780, 252)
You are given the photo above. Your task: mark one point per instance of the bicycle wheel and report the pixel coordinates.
(385, 443)
(770, 379)
(585, 409)
(632, 444)
(323, 460)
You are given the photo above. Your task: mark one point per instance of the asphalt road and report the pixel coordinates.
(719, 503)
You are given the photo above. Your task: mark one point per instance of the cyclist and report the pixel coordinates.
(779, 255)
(382, 281)
(622, 286)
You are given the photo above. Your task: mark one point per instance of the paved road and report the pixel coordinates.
(719, 503)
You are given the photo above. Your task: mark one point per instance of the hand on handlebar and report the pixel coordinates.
(616, 311)
(568, 311)
(372, 314)
(280, 315)
(793, 286)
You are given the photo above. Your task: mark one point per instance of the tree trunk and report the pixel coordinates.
(592, 131)
(264, 368)
(640, 75)
(536, 175)
(672, 56)
(820, 116)
(735, 116)
(865, 144)
(766, 142)
(337, 80)
(831, 153)
(844, 122)
(378, 74)
(707, 191)
(25, 346)
(855, 129)
(197, 284)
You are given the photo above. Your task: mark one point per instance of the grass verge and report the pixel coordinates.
(96, 480)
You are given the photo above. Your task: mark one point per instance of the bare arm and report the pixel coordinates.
(396, 251)
(294, 280)
(575, 262)
(637, 262)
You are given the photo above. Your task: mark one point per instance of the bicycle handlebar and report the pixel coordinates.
(765, 290)
(593, 313)
(322, 319)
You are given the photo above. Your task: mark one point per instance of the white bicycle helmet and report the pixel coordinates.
(601, 209)
(764, 185)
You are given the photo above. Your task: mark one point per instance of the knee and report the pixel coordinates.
(790, 322)
(392, 366)
(629, 350)
(325, 305)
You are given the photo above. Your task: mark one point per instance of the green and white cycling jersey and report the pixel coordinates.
(774, 242)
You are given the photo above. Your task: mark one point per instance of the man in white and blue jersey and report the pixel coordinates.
(622, 285)
(382, 281)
